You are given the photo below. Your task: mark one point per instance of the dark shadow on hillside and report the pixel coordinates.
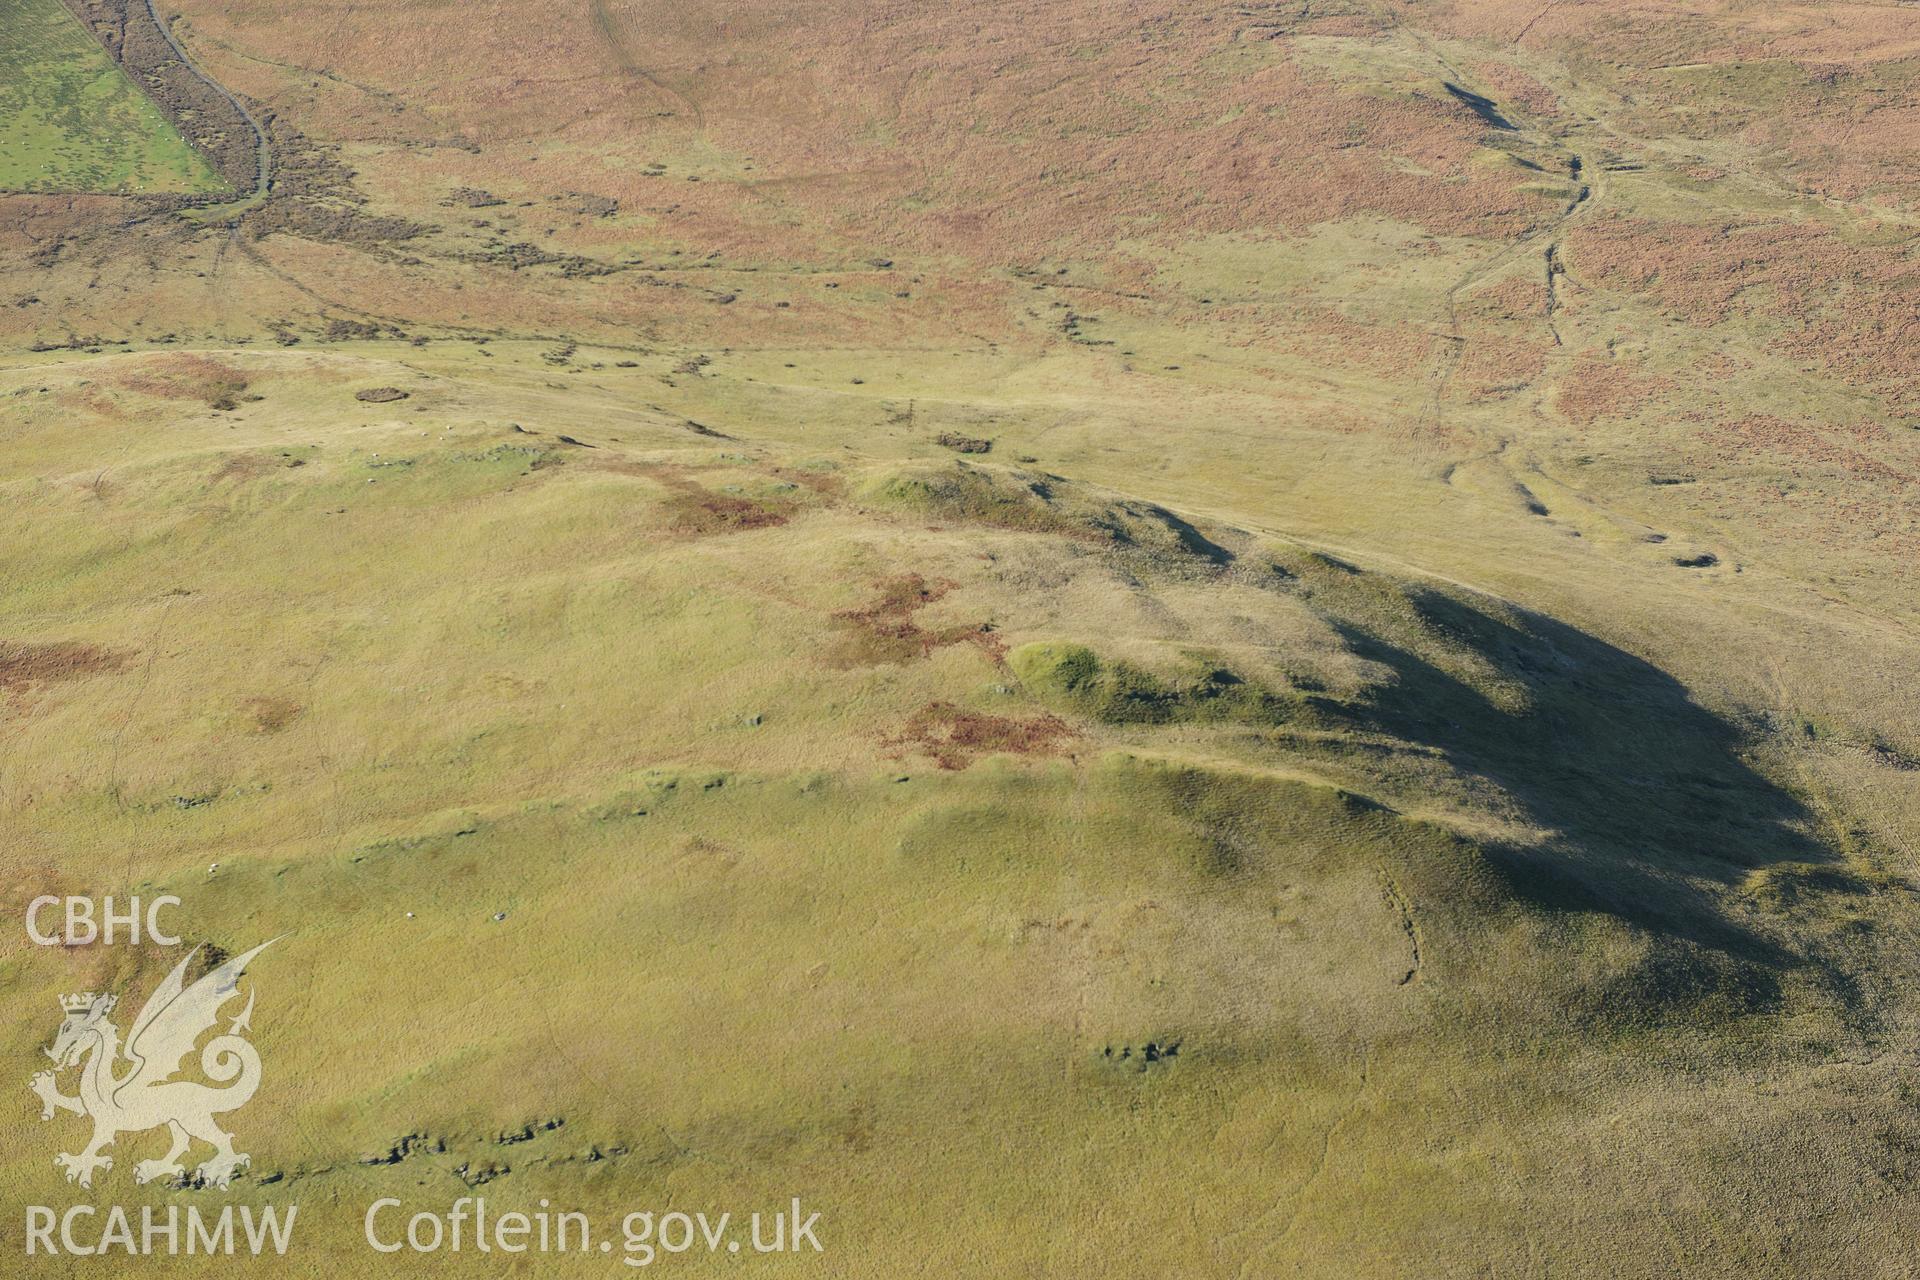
(1484, 107)
(1646, 787)
(1191, 539)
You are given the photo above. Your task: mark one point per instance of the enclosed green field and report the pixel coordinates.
(71, 121)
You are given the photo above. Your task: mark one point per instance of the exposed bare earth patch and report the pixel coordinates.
(271, 715)
(695, 509)
(185, 377)
(1593, 390)
(24, 666)
(955, 738)
(886, 631)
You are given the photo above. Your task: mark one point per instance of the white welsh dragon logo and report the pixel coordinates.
(146, 1096)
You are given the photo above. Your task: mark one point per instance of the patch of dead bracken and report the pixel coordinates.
(1176, 121)
(1356, 26)
(824, 483)
(93, 399)
(271, 715)
(1491, 367)
(1513, 297)
(1512, 85)
(1830, 303)
(1356, 153)
(1328, 338)
(955, 737)
(1824, 99)
(886, 631)
(698, 511)
(185, 377)
(1594, 389)
(1806, 449)
(241, 467)
(712, 853)
(25, 666)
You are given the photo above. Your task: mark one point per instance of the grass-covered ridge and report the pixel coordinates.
(827, 810)
(1072, 676)
(872, 810)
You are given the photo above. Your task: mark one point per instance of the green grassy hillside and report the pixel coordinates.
(71, 121)
(796, 810)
